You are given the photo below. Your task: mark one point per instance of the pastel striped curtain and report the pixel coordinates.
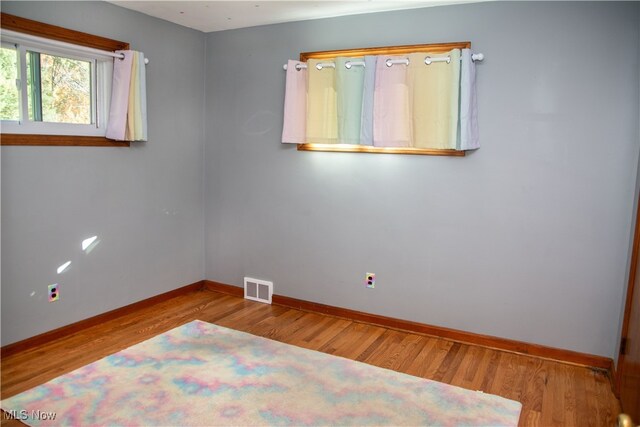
(384, 101)
(128, 110)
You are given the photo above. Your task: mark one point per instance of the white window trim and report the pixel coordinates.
(102, 70)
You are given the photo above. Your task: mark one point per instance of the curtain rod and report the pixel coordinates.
(18, 37)
(427, 60)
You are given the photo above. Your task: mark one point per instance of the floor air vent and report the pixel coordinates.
(258, 290)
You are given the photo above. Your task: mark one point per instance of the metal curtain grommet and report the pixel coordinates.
(427, 60)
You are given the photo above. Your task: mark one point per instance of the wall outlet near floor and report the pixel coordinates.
(370, 280)
(54, 292)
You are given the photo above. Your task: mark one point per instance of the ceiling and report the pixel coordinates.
(208, 16)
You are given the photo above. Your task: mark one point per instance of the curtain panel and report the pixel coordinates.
(415, 100)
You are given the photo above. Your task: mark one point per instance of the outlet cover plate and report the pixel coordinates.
(54, 292)
(370, 280)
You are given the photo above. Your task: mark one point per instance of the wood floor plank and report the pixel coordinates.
(603, 389)
(492, 368)
(435, 358)
(481, 370)
(278, 327)
(551, 393)
(469, 365)
(508, 375)
(412, 345)
(533, 384)
(568, 388)
(530, 418)
(353, 340)
(449, 364)
(319, 337)
(384, 353)
(553, 399)
(592, 397)
(419, 364)
(315, 325)
(282, 327)
(585, 413)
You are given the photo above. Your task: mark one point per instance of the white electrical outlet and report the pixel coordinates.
(54, 292)
(370, 280)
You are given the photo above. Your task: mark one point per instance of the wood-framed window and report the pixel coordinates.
(437, 49)
(40, 116)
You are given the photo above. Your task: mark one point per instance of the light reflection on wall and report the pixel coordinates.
(64, 267)
(89, 244)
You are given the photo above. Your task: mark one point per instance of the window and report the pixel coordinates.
(418, 111)
(54, 93)
(60, 89)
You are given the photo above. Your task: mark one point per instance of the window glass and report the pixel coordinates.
(59, 89)
(9, 93)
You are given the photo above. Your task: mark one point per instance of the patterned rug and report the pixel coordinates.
(203, 374)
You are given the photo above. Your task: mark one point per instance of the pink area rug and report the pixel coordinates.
(203, 374)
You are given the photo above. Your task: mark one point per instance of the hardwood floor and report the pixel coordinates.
(552, 393)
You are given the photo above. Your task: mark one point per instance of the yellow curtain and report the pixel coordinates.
(322, 117)
(434, 90)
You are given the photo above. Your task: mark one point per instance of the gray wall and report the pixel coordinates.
(635, 210)
(144, 202)
(526, 239)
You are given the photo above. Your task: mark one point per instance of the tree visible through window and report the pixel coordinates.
(9, 93)
(59, 89)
